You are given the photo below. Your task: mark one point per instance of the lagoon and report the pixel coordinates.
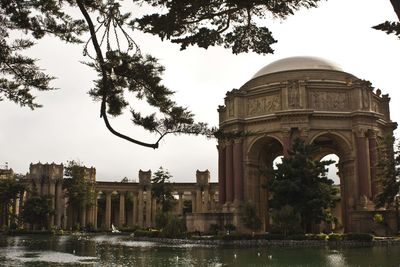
(110, 250)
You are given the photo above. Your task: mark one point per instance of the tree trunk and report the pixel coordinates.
(396, 7)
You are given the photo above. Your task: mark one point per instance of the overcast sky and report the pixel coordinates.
(68, 126)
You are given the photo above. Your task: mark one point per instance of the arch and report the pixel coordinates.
(264, 143)
(331, 143)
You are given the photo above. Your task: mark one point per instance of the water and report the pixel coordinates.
(123, 251)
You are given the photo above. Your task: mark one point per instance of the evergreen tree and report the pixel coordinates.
(161, 189)
(116, 56)
(388, 173)
(80, 190)
(10, 189)
(301, 183)
(37, 210)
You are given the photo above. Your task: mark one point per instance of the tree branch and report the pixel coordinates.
(396, 7)
(106, 81)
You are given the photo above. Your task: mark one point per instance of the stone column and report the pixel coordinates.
(221, 173)
(194, 209)
(148, 206)
(180, 203)
(121, 220)
(153, 211)
(96, 210)
(83, 216)
(108, 210)
(52, 193)
(364, 181)
(140, 208)
(135, 209)
(229, 173)
(373, 161)
(199, 204)
(206, 199)
(238, 171)
(286, 143)
(59, 204)
(212, 200)
(65, 221)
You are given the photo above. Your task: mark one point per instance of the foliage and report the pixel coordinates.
(80, 190)
(378, 218)
(147, 233)
(229, 228)
(249, 217)
(161, 189)
(10, 188)
(175, 227)
(37, 210)
(388, 172)
(362, 237)
(335, 237)
(117, 58)
(214, 228)
(388, 26)
(285, 221)
(301, 182)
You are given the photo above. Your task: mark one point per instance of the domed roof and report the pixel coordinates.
(298, 63)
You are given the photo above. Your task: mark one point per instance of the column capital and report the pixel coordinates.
(360, 131)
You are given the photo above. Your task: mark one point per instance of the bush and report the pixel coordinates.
(147, 233)
(297, 237)
(214, 228)
(335, 237)
(236, 236)
(320, 236)
(175, 227)
(362, 237)
(271, 236)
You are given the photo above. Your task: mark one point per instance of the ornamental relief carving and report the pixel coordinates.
(294, 94)
(332, 101)
(263, 105)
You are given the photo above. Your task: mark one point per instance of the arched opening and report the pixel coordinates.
(263, 155)
(334, 147)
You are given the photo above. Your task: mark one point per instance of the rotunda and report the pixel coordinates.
(310, 98)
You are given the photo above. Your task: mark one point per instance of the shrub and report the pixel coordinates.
(335, 237)
(175, 227)
(236, 236)
(214, 228)
(271, 236)
(297, 237)
(362, 237)
(147, 233)
(320, 236)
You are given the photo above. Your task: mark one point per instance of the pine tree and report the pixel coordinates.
(300, 182)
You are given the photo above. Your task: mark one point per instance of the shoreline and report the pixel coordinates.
(377, 242)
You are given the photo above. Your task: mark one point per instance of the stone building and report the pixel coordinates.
(304, 97)
(316, 100)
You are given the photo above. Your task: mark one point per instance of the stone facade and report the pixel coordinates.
(328, 107)
(122, 204)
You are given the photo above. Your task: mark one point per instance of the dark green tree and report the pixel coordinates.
(36, 211)
(10, 189)
(161, 189)
(388, 172)
(116, 57)
(391, 27)
(80, 190)
(249, 217)
(301, 183)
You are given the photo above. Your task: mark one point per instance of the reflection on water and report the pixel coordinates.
(106, 250)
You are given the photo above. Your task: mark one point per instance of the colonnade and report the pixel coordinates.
(230, 173)
(118, 203)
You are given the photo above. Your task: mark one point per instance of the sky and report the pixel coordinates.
(68, 126)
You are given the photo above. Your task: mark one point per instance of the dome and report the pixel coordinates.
(298, 63)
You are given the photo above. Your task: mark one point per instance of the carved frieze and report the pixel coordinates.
(331, 101)
(264, 104)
